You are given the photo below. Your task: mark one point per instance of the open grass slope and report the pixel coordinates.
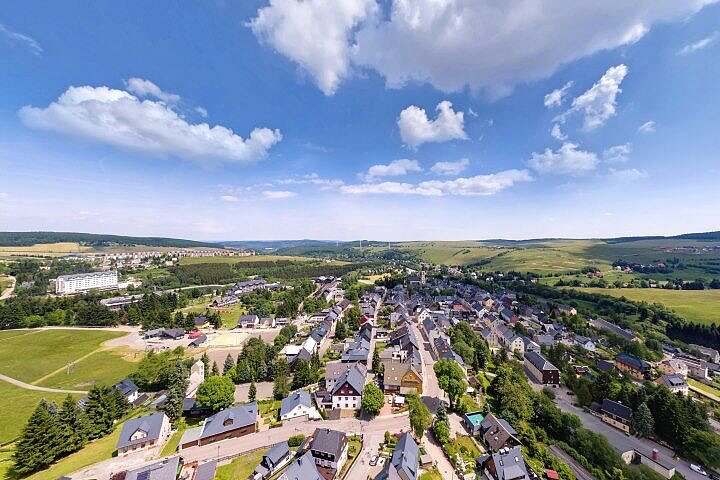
(561, 256)
(19, 403)
(701, 306)
(32, 356)
(105, 366)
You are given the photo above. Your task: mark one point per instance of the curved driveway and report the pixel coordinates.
(28, 386)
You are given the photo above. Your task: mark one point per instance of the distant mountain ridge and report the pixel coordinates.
(24, 239)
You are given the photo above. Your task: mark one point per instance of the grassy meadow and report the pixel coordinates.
(250, 258)
(31, 356)
(21, 403)
(702, 306)
(45, 249)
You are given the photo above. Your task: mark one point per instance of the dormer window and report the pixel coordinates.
(227, 422)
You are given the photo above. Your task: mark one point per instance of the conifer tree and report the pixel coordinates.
(173, 406)
(100, 410)
(252, 392)
(74, 426)
(215, 369)
(39, 443)
(206, 364)
(229, 363)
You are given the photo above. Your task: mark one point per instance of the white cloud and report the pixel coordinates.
(557, 134)
(647, 127)
(146, 88)
(313, 33)
(201, 111)
(313, 179)
(557, 96)
(229, 198)
(25, 40)
(454, 44)
(395, 168)
(117, 118)
(699, 45)
(479, 185)
(3, 195)
(416, 128)
(278, 194)
(472, 113)
(627, 175)
(450, 168)
(598, 103)
(618, 153)
(566, 160)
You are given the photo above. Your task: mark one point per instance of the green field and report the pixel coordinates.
(105, 366)
(448, 253)
(39, 353)
(702, 306)
(250, 258)
(21, 403)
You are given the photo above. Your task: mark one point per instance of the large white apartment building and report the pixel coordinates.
(83, 282)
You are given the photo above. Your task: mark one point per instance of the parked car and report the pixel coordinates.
(698, 469)
(373, 460)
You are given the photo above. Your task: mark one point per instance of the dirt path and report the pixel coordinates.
(28, 386)
(10, 290)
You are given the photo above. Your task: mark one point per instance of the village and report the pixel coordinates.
(360, 418)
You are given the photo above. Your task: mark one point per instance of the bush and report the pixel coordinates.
(296, 440)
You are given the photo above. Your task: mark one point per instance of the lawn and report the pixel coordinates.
(241, 467)
(466, 448)
(431, 475)
(701, 306)
(33, 356)
(105, 366)
(354, 447)
(174, 441)
(21, 403)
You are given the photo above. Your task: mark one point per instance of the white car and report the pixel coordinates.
(698, 469)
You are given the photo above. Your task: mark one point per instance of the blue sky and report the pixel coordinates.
(351, 119)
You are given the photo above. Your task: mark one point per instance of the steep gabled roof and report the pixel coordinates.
(230, 419)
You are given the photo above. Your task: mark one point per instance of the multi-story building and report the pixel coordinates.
(541, 370)
(84, 282)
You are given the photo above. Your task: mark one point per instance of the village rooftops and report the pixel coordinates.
(230, 419)
(617, 409)
(299, 397)
(137, 431)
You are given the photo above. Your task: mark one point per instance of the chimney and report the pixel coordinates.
(655, 454)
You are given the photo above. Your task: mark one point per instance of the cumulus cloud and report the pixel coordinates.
(16, 37)
(627, 175)
(557, 96)
(416, 128)
(229, 198)
(618, 153)
(479, 185)
(450, 168)
(278, 194)
(117, 118)
(567, 160)
(395, 168)
(599, 103)
(455, 44)
(557, 134)
(699, 45)
(313, 33)
(145, 88)
(647, 127)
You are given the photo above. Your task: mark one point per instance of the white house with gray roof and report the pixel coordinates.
(143, 432)
(298, 405)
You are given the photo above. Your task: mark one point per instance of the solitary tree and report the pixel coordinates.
(215, 393)
(420, 416)
(280, 387)
(229, 363)
(252, 392)
(643, 422)
(372, 399)
(206, 364)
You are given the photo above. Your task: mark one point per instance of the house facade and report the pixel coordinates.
(143, 433)
(616, 414)
(541, 370)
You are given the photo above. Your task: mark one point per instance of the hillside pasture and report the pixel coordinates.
(701, 306)
(45, 249)
(450, 253)
(246, 259)
(21, 403)
(105, 366)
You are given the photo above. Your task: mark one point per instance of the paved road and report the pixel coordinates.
(28, 386)
(618, 439)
